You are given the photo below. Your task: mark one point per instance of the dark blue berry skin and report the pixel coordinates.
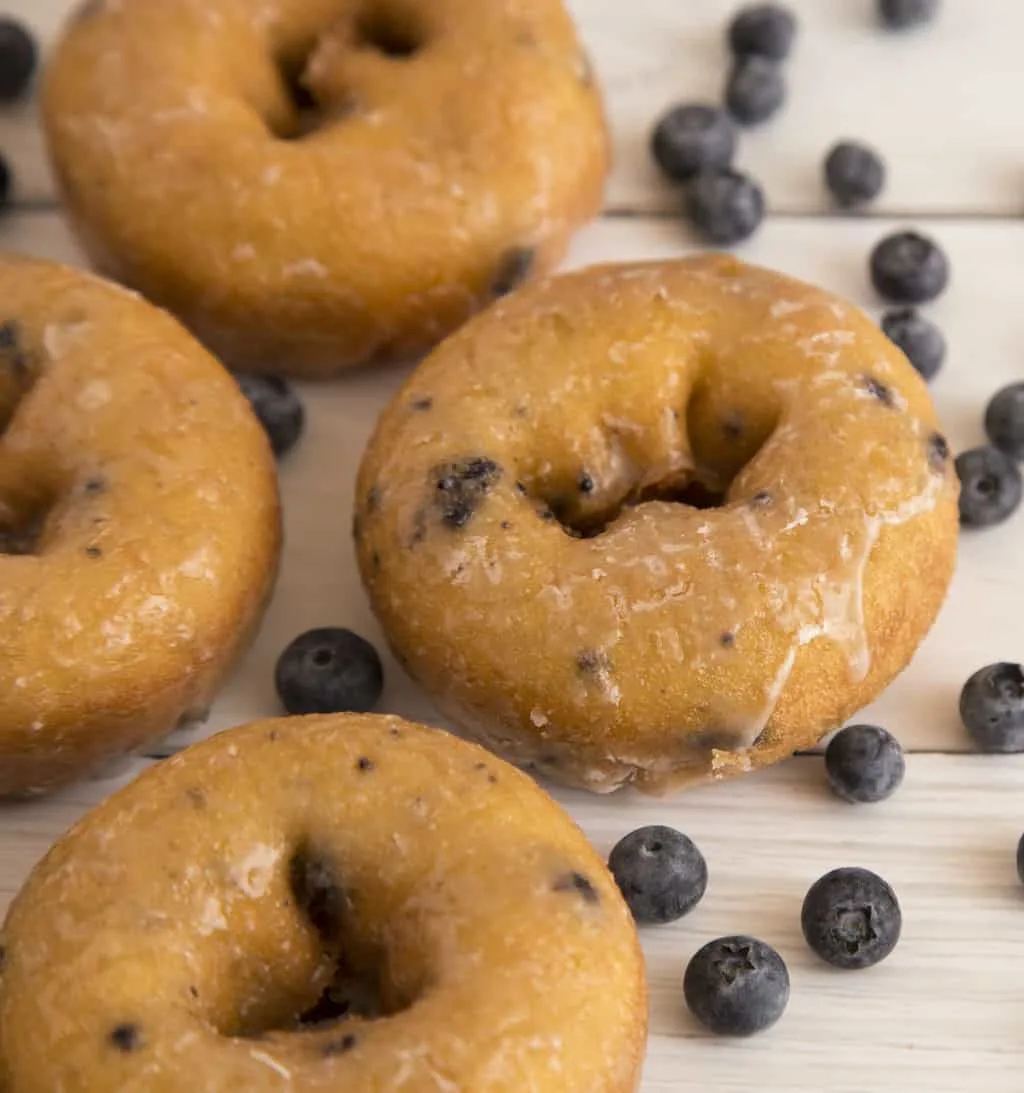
(660, 873)
(903, 14)
(693, 137)
(755, 90)
(762, 30)
(854, 173)
(909, 268)
(736, 986)
(18, 59)
(864, 764)
(851, 918)
(1004, 420)
(275, 403)
(920, 339)
(990, 487)
(1020, 859)
(992, 708)
(329, 670)
(725, 207)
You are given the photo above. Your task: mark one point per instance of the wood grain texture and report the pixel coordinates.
(983, 620)
(941, 103)
(942, 1014)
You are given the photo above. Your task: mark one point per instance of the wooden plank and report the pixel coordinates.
(941, 1014)
(936, 102)
(941, 104)
(983, 620)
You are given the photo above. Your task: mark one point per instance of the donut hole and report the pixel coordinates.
(359, 989)
(22, 535)
(18, 370)
(695, 495)
(586, 519)
(306, 113)
(390, 31)
(352, 977)
(23, 521)
(721, 442)
(23, 515)
(351, 995)
(690, 456)
(590, 523)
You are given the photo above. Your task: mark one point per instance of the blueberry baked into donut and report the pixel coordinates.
(321, 904)
(652, 523)
(311, 184)
(139, 524)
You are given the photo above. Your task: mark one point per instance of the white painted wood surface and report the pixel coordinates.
(943, 1014)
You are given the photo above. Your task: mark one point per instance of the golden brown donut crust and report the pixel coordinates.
(139, 524)
(165, 938)
(433, 183)
(670, 642)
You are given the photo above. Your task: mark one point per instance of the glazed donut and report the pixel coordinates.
(451, 149)
(139, 528)
(656, 522)
(207, 918)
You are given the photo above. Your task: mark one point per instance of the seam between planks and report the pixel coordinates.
(42, 206)
(966, 753)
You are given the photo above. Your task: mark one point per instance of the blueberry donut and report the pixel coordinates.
(139, 527)
(320, 904)
(310, 184)
(658, 522)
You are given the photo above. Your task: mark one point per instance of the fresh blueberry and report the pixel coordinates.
(851, 918)
(920, 339)
(901, 14)
(864, 764)
(278, 408)
(762, 30)
(660, 872)
(909, 268)
(18, 58)
(692, 137)
(755, 90)
(1004, 420)
(1020, 859)
(990, 487)
(736, 986)
(992, 708)
(854, 173)
(725, 206)
(329, 671)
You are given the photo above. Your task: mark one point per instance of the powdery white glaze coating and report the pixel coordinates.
(521, 533)
(139, 524)
(431, 183)
(174, 935)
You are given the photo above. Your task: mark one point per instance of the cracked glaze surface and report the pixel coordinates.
(174, 935)
(531, 548)
(139, 525)
(433, 178)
